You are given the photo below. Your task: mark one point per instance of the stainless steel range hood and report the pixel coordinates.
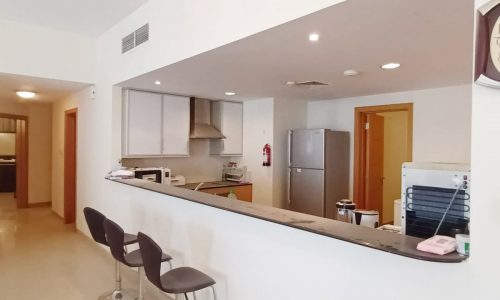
(201, 127)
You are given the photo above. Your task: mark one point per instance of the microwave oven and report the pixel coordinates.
(158, 175)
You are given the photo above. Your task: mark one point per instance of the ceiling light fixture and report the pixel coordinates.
(25, 94)
(390, 66)
(351, 73)
(313, 37)
(230, 93)
(157, 82)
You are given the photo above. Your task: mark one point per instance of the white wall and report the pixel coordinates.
(258, 131)
(441, 121)
(200, 166)
(485, 163)
(49, 53)
(58, 111)
(7, 144)
(288, 114)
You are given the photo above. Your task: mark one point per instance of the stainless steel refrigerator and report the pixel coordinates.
(318, 170)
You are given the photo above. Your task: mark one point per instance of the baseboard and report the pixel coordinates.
(39, 204)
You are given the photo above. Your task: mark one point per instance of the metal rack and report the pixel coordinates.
(426, 205)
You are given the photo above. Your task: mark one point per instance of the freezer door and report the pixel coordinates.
(307, 149)
(307, 191)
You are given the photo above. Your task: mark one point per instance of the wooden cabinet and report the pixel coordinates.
(155, 124)
(243, 192)
(7, 178)
(228, 118)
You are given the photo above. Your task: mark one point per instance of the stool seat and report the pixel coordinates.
(129, 239)
(134, 258)
(185, 280)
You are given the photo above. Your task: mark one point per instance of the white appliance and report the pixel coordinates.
(426, 192)
(159, 175)
(367, 218)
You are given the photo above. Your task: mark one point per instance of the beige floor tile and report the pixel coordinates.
(41, 258)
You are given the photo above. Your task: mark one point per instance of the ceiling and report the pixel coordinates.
(48, 90)
(89, 17)
(431, 39)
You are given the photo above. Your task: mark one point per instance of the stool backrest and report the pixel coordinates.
(115, 237)
(151, 258)
(95, 221)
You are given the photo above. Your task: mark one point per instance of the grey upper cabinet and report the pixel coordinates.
(155, 124)
(228, 118)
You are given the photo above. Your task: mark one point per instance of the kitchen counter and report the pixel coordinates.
(214, 184)
(376, 239)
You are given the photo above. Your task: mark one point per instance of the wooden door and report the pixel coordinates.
(22, 163)
(70, 138)
(374, 163)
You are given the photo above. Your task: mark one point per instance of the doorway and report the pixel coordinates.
(19, 128)
(70, 146)
(382, 142)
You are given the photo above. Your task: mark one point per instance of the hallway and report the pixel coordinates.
(41, 258)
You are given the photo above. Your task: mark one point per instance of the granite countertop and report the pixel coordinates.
(213, 185)
(376, 239)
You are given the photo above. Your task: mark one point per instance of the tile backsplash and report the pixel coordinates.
(200, 166)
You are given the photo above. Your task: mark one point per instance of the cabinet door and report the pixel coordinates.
(175, 125)
(143, 123)
(228, 118)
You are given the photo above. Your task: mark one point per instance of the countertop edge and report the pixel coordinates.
(394, 243)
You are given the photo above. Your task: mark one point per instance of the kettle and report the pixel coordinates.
(367, 218)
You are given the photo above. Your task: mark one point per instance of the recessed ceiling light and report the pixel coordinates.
(313, 37)
(25, 94)
(230, 93)
(351, 73)
(157, 82)
(390, 66)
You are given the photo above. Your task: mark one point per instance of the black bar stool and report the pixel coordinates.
(181, 280)
(115, 238)
(95, 222)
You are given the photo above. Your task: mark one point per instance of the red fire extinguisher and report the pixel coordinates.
(266, 155)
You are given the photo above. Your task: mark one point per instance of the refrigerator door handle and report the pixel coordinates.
(289, 200)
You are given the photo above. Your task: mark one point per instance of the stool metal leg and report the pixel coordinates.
(213, 290)
(141, 284)
(119, 293)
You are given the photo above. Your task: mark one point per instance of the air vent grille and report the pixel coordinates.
(128, 43)
(136, 38)
(311, 84)
(142, 35)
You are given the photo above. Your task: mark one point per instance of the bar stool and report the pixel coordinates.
(95, 222)
(181, 280)
(115, 238)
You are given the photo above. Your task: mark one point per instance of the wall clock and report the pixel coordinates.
(487, 67)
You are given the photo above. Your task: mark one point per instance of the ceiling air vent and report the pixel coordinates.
(136, 38)
(312, 84)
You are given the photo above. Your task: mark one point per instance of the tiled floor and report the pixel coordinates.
(42, 259)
